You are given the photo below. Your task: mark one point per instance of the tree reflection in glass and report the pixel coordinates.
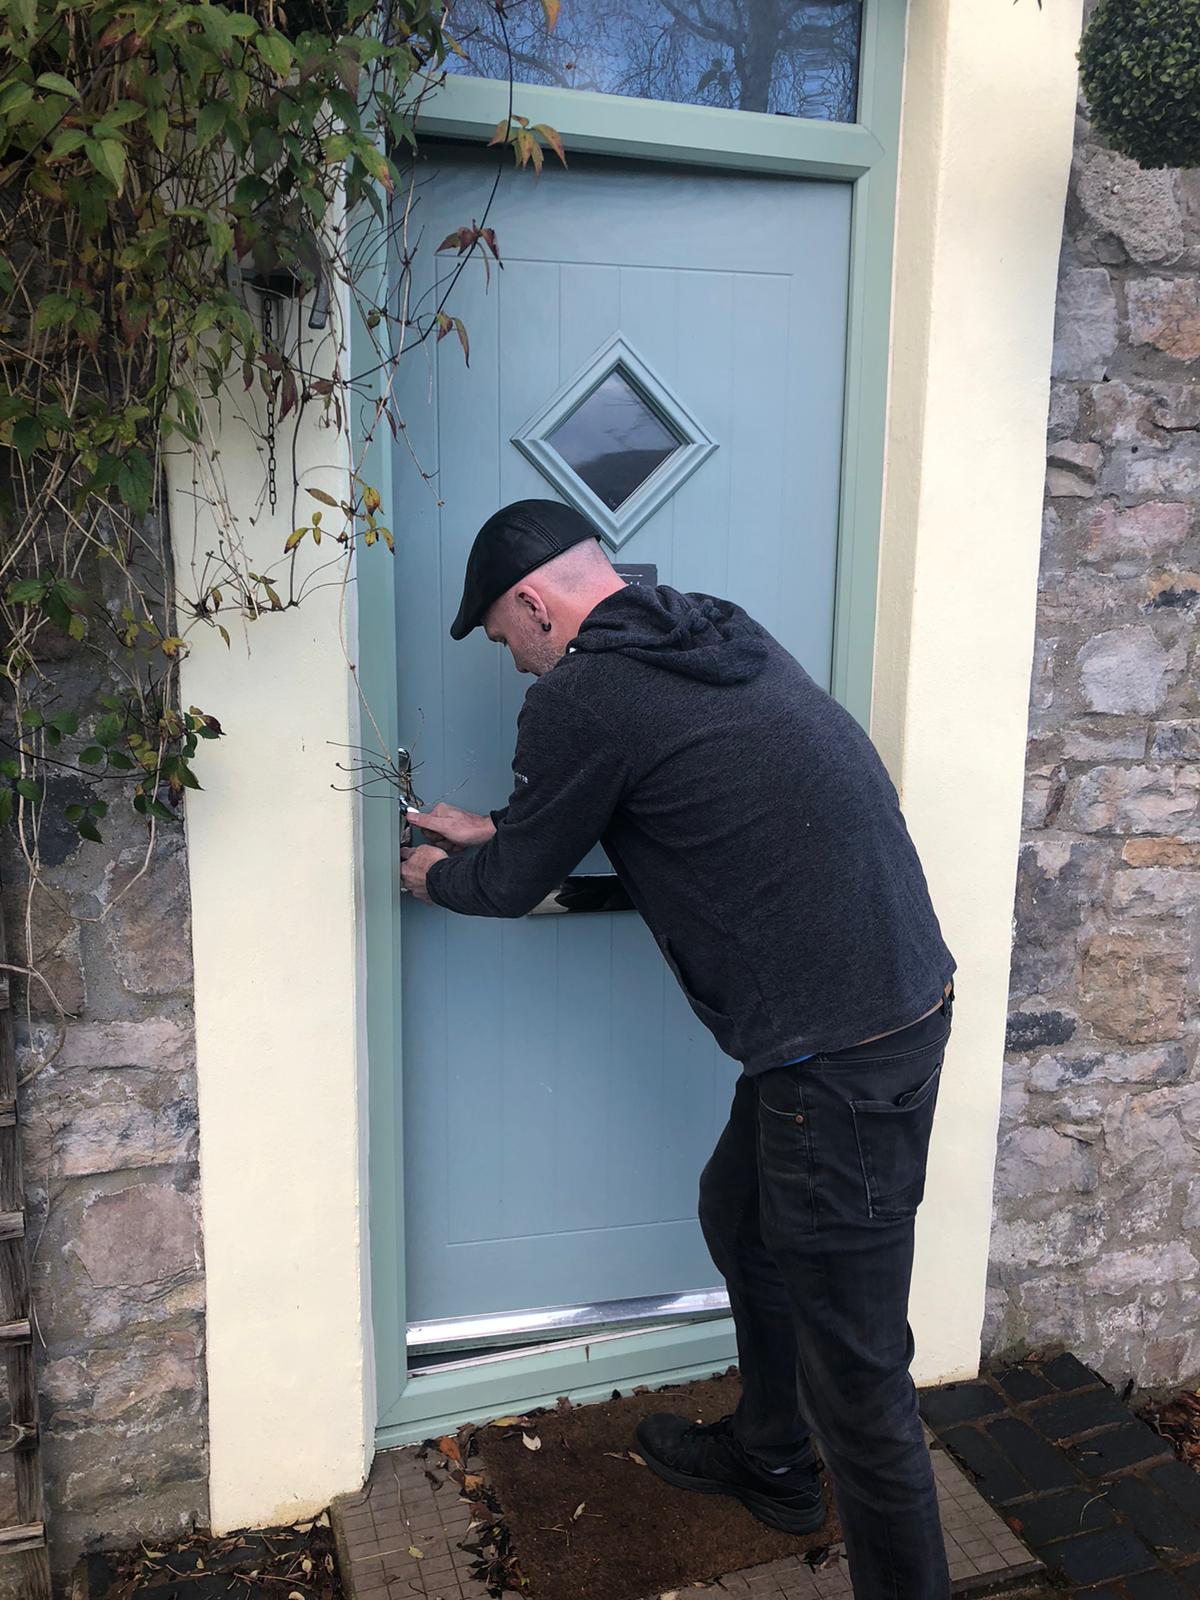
(796, 58)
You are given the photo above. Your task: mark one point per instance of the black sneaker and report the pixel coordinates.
(706, 1456)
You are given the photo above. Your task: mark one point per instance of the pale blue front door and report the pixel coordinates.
(559, 1097)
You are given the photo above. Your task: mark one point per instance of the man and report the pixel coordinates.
(755, 829)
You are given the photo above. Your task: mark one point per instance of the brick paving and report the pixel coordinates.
(403, 1509)
(1092, 1490)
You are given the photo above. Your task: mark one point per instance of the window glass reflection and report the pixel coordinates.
(614, 440)
(796, 58)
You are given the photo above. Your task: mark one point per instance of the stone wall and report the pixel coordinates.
(1097, 1207)
(111, 1174)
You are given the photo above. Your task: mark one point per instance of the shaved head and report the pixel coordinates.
(539, 616)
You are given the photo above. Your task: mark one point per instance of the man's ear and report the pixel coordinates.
(531, 601)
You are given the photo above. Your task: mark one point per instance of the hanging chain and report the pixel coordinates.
(272, 494)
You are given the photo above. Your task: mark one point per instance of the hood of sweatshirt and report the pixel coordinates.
(694, 635)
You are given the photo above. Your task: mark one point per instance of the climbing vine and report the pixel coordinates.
(180, 188)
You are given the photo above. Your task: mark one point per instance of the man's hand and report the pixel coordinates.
(451, 829)
(415, 863)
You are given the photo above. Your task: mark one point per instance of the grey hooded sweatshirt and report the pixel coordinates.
(747, 815)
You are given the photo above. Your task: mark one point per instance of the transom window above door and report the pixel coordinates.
(615, 441)
(794, 58)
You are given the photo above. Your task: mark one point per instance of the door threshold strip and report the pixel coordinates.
(544, 1323)
(485, 1358)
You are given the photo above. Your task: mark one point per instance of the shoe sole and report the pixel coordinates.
(762, 1506)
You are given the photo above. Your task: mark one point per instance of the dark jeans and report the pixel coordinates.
(807, 1206)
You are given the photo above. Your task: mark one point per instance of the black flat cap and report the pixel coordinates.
(511, 543)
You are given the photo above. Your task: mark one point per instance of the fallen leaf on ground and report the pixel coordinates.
(508, 1422)
(531, 1441)
(578, 1511)
(419, 1555)
(471, 1481)
(448, 1445)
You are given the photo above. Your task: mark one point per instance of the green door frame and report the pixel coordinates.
(864, 154)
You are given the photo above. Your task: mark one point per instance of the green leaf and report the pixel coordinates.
(28, 435)
(156, 121)
(66, 722)
(57, 84)
(89, 830)
(24, 13)
(215, 21)
(28, 790)
(92, 756)
(266, 147)
(120, 762)
(210, 121)
(251, 191)
(239, 86)
(54, 311)
(220, 238)
(98, 808)
(108, 158)
(10, 768)
(32, 718)
(77, 627)
(135, 481)
(56, 607)
(109, 728)
(66, 143)
(6, 806)
(338, 147)
(73, 812)
(124, 111)
(26, 592)
(275, 52)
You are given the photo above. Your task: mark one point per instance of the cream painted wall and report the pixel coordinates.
(271, 855)
(985, 152)
(272, 848)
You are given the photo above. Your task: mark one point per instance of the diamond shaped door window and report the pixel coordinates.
(615, 442)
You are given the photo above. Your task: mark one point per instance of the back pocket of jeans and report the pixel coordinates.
(893, 1147)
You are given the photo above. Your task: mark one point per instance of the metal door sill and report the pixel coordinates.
(464, 1342)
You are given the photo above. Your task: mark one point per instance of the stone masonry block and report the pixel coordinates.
(141, 1234)
(1138, 207)
(1133, 984)
(1085, 330)
(1165, 313)
(1136, 799)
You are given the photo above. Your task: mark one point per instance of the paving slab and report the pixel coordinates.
(1093, 1491)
